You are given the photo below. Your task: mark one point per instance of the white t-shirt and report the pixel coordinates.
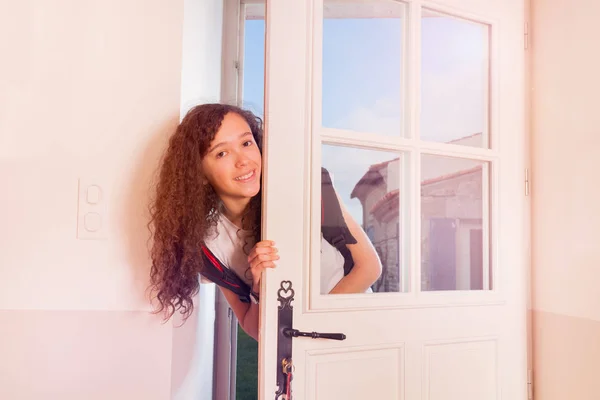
(332, 266)
(227, 243)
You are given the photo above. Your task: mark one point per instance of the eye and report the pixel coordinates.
(221, 154)
(248, 143)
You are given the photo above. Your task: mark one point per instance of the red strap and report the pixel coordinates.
(212, 259)
(217, 264)
(288, 395)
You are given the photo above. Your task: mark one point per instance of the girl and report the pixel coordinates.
(208, 194)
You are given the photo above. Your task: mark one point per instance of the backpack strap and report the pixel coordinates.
(333, 226)
(215, 271)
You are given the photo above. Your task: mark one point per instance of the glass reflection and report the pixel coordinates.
(454, 224)
(363, 66)
(368, 184)
(455, 68)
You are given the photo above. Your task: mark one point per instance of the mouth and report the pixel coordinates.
(247, 177)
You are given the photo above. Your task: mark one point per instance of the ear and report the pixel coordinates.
(203, 179)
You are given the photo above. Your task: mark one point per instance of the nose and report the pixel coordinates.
(241, 160)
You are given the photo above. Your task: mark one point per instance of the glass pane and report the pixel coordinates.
(362, 66)
(455, 80)
(455, 253)
(370, 185)
(253, 75)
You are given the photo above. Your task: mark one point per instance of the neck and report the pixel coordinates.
(235, 209)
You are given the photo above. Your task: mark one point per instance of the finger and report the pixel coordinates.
(261, 251)
(266, 257)
(265, 264)
(264, 250)
(265, 243)
(260, 265)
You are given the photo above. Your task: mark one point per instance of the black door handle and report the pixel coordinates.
(285, 334)
(289, 332)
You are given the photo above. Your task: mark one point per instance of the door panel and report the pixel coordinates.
(462, 370)
(439, 335)
(329, 371)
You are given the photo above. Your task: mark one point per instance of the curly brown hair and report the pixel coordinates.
(184, 209)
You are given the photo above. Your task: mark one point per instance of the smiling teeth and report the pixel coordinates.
(241, 178)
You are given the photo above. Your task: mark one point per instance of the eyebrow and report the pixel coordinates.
(224, 143)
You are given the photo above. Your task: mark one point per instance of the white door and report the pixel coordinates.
(417, 111)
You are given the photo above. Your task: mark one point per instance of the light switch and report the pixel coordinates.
(92, 209)
(93, 194)
(92, 222)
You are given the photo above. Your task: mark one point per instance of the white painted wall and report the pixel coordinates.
(88, 89)
(202, 50)
(565, 199)
(93, 90)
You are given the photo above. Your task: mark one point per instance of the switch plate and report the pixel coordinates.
(92, 209)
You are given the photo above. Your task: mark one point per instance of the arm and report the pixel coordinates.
(262, 256)
(367, 266)
(246, 313)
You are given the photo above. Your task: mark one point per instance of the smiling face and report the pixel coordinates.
(232, 164)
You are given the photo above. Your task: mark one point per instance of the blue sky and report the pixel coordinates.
(362, 64)
(254, 65)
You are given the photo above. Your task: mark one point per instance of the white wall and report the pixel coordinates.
(202, 50)
(89, 90)
(93, 90)
(565, 195)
